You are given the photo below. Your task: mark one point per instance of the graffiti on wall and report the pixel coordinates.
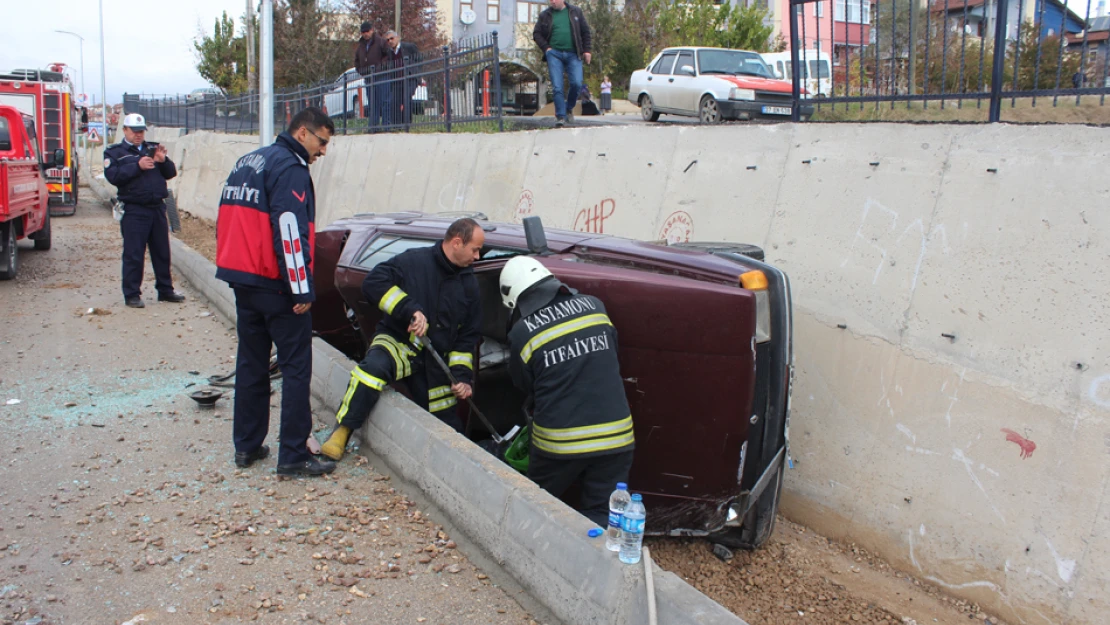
(524, 206)
(592, 218)
(678, 227)
(1027, 446)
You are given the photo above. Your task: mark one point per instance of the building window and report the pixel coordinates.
(493, 10)
(819, 9)
(466, 5)
(853, 11)
(528, 12)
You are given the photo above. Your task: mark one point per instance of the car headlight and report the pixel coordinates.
(741, 94)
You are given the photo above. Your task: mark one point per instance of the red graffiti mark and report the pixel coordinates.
(677, 228)
(592, 219)
(1027, 446)
(524, 205)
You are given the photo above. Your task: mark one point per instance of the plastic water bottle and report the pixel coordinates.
(632, 530)
(618, 501)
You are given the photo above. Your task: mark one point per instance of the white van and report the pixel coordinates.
(817, 70)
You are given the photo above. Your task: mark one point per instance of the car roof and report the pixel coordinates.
(696, 48)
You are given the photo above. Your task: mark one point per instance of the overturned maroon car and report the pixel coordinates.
(705, 353)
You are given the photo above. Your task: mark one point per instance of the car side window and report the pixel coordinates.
(5, 136)
(664, 64)
(686, 57)
(383, 248)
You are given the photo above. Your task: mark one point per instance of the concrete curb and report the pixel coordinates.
(536, 538)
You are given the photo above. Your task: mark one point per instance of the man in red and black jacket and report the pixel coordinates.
(264, 243)
(426, 291)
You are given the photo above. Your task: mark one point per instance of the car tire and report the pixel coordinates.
(709, 112)
(9, 252)
(42, 237)
(647, 109)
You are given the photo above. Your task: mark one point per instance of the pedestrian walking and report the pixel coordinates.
(402, 55)
(606, 95)
(371, 52)
(563, 355)
(139, 170)
(564, 36)
(426, 291)
(264, 247)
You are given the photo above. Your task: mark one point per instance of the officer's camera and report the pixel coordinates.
(150, 150)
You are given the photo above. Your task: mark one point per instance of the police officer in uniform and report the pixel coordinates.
(563, 354)
(264, 243)
(139, 170)
(423, 291)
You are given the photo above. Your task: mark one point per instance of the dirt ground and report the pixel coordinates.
(798, 577)
(119, 501)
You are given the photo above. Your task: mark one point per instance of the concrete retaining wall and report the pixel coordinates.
(976, 460)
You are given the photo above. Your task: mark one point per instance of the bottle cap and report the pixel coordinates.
(622, 486)
(595, 532)
(637, 497)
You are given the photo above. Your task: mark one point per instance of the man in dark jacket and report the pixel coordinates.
(402, 55)
(139, 169)
(564, 36)
(563, 354)
(371, 52)
(265, 237)
(423, 291)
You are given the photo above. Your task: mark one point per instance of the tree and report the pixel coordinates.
(222, 57)
(1038, 64)
(705, 23)
(604, 23)
(419, 22)
(306, 49)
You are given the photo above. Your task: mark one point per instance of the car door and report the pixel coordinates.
(659, 79)
(687, 356)
(685, 89)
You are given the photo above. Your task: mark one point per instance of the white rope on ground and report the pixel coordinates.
(652, 620)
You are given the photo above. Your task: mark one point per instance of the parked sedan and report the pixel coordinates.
(705, 352)
(349, 87)
(712, 84)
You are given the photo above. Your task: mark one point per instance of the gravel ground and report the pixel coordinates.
(119, 501)
(799, 577)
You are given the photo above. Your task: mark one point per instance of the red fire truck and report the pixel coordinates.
(24, 201)
(47, 96)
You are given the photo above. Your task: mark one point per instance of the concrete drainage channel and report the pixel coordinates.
(533, 537)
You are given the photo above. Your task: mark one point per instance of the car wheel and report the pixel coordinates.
(42, 237)
(709, 112)
(9, 253)
(647, 109)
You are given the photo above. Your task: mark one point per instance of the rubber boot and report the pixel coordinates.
(337, 443)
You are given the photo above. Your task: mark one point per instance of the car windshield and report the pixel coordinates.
(732, 62)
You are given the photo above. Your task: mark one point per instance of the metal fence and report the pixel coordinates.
(456, 88)
(858, 54)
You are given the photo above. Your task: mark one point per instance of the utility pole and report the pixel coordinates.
(252, 66)
(266, 77)
(103, 81)
(66, 32)
(397, 17)
(913, 47)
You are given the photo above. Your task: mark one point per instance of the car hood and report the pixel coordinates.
(755, 82)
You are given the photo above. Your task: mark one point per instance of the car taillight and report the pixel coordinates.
(756, 282)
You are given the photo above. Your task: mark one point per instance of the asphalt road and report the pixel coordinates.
(119, 501)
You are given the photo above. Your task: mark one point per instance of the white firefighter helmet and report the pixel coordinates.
(134, 121)
(520, 273)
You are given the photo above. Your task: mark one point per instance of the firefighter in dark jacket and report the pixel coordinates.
(139, 169)
(563, 35)
(264, 243)
(424, 291)
(563, 354)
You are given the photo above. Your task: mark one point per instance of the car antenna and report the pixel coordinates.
(534, 235)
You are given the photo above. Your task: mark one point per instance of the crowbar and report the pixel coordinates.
(489, 426)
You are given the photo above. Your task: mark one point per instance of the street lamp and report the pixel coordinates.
(66, 32)
(103, 82)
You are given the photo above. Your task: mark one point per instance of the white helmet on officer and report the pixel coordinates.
(134, 121)
(520, 274)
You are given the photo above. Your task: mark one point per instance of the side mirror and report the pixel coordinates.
(686, 69)
(534, 235)
(59, 158)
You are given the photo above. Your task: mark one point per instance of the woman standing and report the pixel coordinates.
(606, 95)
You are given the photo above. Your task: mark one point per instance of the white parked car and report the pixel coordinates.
(206, 93)
(816, 70)
(712, 84)
(351, 85)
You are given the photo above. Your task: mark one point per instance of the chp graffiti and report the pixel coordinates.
(524, 206)
(592, 219)
(677, 228)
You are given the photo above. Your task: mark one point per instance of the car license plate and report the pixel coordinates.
(776, 110)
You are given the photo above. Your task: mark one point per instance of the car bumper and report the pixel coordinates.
(748, 109)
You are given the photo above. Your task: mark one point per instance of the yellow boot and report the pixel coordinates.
(337, 443)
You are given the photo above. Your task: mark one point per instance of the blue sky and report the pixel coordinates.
(148, 45)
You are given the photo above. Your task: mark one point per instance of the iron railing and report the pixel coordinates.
(855, 54)
(456, 88)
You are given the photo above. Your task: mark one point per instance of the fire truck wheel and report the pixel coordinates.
(42, 237)
(9, 253)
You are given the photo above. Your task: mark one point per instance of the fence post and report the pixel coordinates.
(795, 72)
(497, 83)
(999, 60)
(447, 87)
